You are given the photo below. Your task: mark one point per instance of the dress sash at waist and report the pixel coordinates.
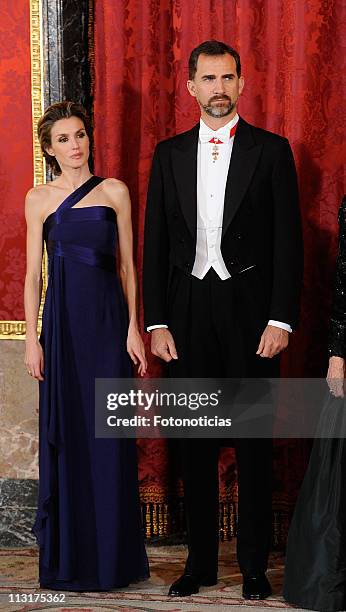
(83, 254)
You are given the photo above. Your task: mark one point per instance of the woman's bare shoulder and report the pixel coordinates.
(115, 187)
(36, 193)
(116, 192)
(38, 199)
(40, 192)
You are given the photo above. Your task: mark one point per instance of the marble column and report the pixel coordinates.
(66, 36)
(19, 446)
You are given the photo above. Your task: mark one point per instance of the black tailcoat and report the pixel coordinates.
(261, 222)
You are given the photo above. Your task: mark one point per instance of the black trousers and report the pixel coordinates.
(216, 330)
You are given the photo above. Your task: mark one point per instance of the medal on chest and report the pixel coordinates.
(215, 150)
(216, 142)
(215, 153)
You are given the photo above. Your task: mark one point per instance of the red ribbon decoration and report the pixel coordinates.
(232, 132)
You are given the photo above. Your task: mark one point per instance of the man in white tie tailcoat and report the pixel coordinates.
(222, 281)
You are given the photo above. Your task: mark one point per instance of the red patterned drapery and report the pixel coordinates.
(16, 152)
(292, 62)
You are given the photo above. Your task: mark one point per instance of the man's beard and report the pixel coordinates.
(219, 111)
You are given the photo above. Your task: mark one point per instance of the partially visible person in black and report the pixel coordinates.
(315, 575)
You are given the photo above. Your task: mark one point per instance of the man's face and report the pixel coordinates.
(216, 85)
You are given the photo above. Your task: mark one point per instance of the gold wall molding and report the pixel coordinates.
(36, 49)
(15, 330)
(12, 330)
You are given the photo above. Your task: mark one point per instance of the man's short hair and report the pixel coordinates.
(212, 47)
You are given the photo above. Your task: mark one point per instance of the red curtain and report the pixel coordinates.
(292, 63)
(16, 154)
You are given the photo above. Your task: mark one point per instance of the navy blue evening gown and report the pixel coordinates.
(88, 522)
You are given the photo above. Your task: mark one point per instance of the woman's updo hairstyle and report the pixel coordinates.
(55, 112)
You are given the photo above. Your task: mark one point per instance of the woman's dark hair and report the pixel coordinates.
(55, 112)
(212, 47)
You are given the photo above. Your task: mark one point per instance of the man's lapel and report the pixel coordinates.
(184, 161)
(245, 155)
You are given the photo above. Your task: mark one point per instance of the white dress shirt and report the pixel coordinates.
(212, 172)
(211, 185)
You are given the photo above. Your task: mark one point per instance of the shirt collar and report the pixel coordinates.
(225, 130)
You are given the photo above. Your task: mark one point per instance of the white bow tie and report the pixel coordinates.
(220, 136)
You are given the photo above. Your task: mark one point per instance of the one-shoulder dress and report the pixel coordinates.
(88, 522)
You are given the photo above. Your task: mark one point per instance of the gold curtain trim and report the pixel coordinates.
(158, 519)
(153, 495)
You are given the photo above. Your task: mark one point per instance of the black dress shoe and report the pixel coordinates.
(256, 587)
(189, 584)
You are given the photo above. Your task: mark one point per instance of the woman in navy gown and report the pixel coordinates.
(88, 522)
(315, 575)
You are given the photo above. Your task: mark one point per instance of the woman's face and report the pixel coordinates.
(69, 143)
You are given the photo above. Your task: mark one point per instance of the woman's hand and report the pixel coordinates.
(336, 375)
(34, 359)
(136, 350)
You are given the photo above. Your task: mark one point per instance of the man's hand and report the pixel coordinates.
(336, 375)
(162, 344)
(273, 341)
